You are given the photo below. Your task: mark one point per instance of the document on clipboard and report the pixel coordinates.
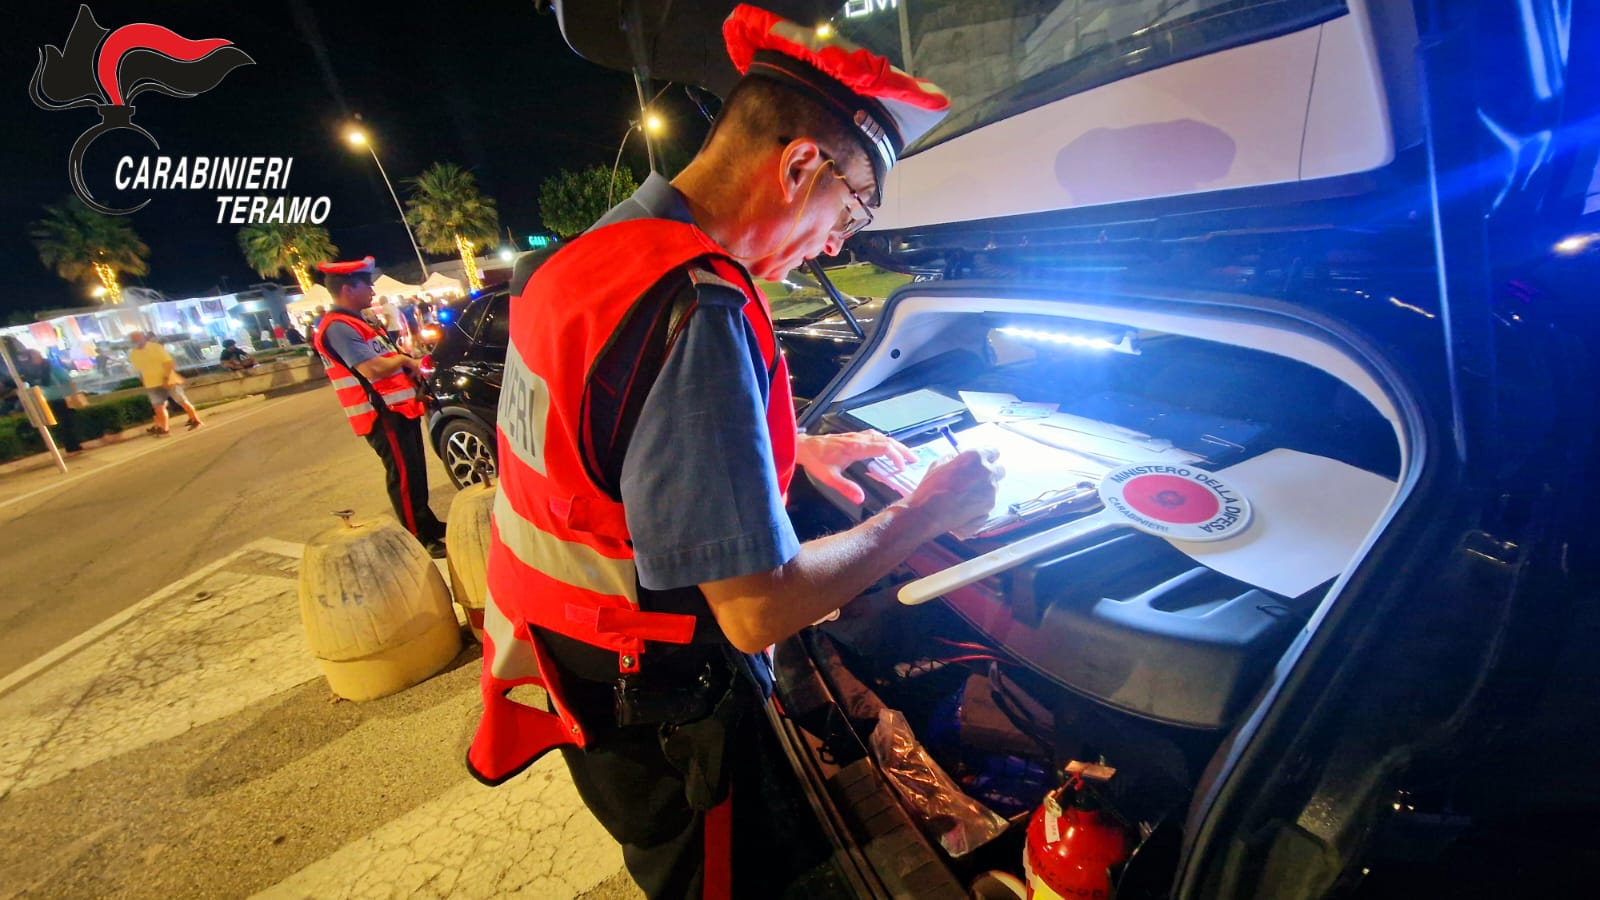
(1040, 480)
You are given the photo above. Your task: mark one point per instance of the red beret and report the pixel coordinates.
(363, 265)
(885, 108)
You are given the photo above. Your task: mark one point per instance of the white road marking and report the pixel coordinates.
(160, 445)
(19, 676)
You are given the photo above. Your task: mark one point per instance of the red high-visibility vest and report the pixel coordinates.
(398, 391)
(561, 557)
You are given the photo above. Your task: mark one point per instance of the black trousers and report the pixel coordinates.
(633, 777)
(66, 425)
(398, 442)
(631, 786)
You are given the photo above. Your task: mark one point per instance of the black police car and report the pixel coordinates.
(1339, 252)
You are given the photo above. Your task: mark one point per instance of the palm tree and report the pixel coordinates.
(272, 248)
(81, 244)
(447, 213)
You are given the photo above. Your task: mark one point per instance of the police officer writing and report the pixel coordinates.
(377, 386)
(643, 559)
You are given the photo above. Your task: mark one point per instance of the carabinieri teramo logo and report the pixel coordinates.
(108, 72)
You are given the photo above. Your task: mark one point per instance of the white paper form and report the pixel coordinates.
(1114, 444)
(1032, 470)
(994, 407)
(1309, 516)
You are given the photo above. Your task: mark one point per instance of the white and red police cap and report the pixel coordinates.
(885, 108)
(364, 266)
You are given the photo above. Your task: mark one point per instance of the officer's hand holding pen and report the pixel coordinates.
(950, 436)
(958, 489)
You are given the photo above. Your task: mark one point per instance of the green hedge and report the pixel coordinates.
(18, 438)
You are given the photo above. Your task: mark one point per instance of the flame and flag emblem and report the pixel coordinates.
(108, 69)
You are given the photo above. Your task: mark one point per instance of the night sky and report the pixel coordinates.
(490, 86)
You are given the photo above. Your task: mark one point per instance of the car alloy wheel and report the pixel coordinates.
(468, 453)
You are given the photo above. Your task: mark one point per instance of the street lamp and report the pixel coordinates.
(359, 138)
(652, 124)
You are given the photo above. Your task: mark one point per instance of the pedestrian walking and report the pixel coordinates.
(377, 385)
(158, 372)
(642, 559)
(51, 378)
(58, 391)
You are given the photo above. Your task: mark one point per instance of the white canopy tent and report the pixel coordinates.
(310, 300)
(393, 287)
(439, 282)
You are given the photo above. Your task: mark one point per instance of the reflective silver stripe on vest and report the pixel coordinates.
(359, 409)
(400, 396)
(524, 412)
(567, 561)
(513, 658)
(349, 381)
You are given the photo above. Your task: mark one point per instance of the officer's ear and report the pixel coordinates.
(797, 165)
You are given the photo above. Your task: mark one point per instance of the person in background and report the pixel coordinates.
(51, 378)
(235, 359)
(296, 339)
(377, 386)
(158, 372)
(394, 322)
(57, 392)
(408, 310)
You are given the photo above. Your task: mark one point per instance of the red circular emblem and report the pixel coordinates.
(1171, 499)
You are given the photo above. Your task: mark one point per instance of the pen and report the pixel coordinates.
(949, 436)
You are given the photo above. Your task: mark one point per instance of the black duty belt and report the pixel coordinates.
(645, 700)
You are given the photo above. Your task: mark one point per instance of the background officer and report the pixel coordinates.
(377, 386)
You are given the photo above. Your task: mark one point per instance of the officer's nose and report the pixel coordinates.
(834, 244)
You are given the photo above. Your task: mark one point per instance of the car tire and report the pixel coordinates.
(467, 450)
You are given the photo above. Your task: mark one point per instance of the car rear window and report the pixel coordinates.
(997, 58)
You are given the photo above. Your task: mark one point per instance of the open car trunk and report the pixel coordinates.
(1121, 647)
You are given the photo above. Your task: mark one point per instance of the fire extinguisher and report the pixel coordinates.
(1073, 842)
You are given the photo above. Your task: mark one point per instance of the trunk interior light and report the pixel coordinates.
(1122, 341)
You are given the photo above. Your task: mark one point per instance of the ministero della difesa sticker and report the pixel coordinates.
(1178, 502)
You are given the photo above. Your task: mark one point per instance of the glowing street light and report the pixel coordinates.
(652, 124)
(358, 138)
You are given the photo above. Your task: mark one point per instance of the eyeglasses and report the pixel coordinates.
(853, 218)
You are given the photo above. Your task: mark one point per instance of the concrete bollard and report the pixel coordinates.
(376, 612)
(466, 539)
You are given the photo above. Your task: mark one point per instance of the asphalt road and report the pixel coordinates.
(190, 748)
(132, 517)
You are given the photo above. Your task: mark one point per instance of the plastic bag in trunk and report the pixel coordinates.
(960, 823)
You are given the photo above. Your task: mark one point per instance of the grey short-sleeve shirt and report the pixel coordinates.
(342, 339)
(698, 481)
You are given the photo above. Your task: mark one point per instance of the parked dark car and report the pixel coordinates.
(463, 383)
(1341, 250)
